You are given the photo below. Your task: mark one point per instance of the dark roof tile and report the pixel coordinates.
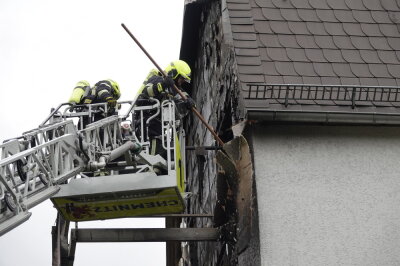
(290, 14)
(257, 14)
(352, 56)
(371, 29)
(244, 36)
(269, 40)
(369, 81)
(246, 60)
(330, 80)
(355, 4)
(394, 43)
(373, 4)
(387, 82)
(343, 42)
(342, 69)
(379, 70)
(242, 28)
(389, 30)
(282, 4)
(240, 13)
(278, 54)
(344, 15)
(308, 15)
(360, 70)
(264, 56)
(388, 57)
(337, 4)
(272, 14)
(300, 4)
(325, 42)
(288, 41)
(246, 44)
(363, 16)
(280, 27)
(316, 28)
(333, 56)
(334, 28)
(311, 80)
(245, 69)
(306, 41)
(361, 42)
(394, 70)
(349, 81)
(274, 79)
(241, 21)
(239, 6)
(252, 78)
(264, 3)
(285, 68)
(397, 54)
(324, 69)
(318, 4)
(353, 29)
(380, 17)
(269, 68)
(326, 15)
(379, 43)
(315, 55)
(304, 69)
(292, 80)
(247, 52)
(297, 55)
(390, 5)
(370, 56)
(298, 28)
(262, 27)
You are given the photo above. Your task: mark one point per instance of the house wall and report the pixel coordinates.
(215, 90)
(328, 195)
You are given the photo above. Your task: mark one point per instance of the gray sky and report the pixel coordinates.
(46, 46)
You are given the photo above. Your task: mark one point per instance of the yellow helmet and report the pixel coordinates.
(178, 67)
(115, 86)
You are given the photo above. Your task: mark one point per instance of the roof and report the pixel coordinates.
(330, 42)
(349, 48)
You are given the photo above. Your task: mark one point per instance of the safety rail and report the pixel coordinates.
(352, 95)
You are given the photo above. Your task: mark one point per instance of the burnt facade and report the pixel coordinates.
(263, 66)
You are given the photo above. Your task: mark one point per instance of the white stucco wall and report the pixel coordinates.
(328, 195)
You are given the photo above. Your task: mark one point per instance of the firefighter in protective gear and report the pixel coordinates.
(104, 91)
(161, 88)
(156, 86)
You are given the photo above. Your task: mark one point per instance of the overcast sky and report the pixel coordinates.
(46, 46)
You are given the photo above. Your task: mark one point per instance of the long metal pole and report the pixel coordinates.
(175, 87)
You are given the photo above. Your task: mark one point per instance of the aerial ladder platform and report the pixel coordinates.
(101, 170)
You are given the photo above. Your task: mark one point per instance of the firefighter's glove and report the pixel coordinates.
(112, 103)
(189, 103)
(168, 83)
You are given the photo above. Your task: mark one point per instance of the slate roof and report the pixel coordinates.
(329, 42)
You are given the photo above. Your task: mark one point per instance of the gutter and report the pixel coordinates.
(326, 117)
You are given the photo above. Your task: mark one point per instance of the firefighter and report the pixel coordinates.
(104, 91)
(161, 88)
(156, 86)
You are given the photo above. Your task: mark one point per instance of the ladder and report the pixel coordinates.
(85, 165)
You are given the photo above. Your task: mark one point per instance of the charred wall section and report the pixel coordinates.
(215, 89)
